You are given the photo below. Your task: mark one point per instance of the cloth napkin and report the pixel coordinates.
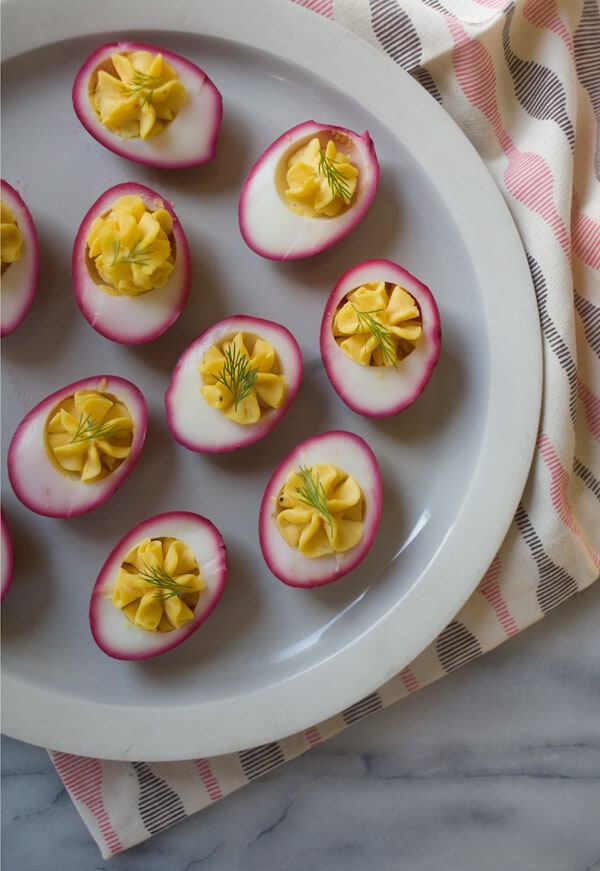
(522, 80)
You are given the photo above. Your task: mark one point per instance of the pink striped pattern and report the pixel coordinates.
(83, 777)
(409, 680)
(542, 14)
(313, 736)
(210, 782)
(527, 177)
(322, 7)
(496, 5)
(490, 590)
(586, 238)
(558, 492)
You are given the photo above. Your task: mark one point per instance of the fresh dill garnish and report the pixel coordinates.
(237, 375)
(141, 82)
(337, 181)
(90, 428)
(366, 323)
(137, 256)
(166, 586)
(312, 493)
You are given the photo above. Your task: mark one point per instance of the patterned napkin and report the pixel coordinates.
(521, 78)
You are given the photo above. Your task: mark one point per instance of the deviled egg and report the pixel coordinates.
(131, 264)
(321, 509)
(20, 259)
(158, 585)
(77, 446)
(8, 557)
(380, 337)
(308, 190)
(233, 384)
(148, 105)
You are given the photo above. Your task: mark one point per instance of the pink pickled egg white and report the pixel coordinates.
(113, 632)
(38, 482)
(19, 280)
(200, 427)
(351, 454)
(130, 320)
(378, 391)
(189, 140)
(8, 559)
(268, 225)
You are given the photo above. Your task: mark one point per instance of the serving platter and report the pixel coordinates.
(271, 660)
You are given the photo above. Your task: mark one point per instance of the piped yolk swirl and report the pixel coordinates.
(89, 435)
(158, 584)
(320, 510)
(136, 94)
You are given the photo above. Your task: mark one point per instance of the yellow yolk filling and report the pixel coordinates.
(320, 510)
(378, 324)
(130, 247)
(320, 181)
(137, 94)
(89, 435)
(158, 584)
(241, 377)
(11, 239)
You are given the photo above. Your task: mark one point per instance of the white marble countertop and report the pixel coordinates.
(495, 767)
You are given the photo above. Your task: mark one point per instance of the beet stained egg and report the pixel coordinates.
(233, 384)
(308, 190)
(131, 265)
(20, 259)
(158, 585)
(77, 446)
(380, 338)
(320, 510)
(148, 105)
(8, 557)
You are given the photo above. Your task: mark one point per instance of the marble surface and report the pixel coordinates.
(495, 767)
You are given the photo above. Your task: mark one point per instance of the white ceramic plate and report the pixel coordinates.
(271, 660)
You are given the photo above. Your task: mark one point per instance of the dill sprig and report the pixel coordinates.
(237, 375)
(89, 428)
(366, 323)
(141, 82)
(312, 493)
(166, 586)
(137, 256)
(337, 181)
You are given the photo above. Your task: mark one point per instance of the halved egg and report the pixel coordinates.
(148, 105)
(20, 259)
(321, 509)
(233, 384)
(308, 190)
(158, 585)
(131, 264)
(77, 446)
(8, 560)
(380, 337)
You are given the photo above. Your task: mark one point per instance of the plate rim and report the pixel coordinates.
(235, 21)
